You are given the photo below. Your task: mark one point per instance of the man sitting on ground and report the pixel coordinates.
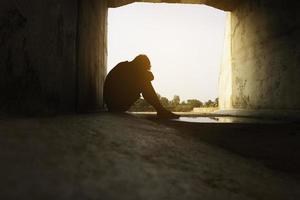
(126, 81)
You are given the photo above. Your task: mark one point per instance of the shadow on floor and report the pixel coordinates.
(276, 145)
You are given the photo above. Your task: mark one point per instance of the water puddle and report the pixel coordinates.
(194, 119)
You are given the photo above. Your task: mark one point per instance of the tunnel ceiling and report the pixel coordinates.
(226, 5)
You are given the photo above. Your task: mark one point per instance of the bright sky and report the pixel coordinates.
(184, 44)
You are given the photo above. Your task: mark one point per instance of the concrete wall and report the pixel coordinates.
(40, 71)
(38, 46)
(220, 4)
(225, 77)
(92, 53)
(266, 55)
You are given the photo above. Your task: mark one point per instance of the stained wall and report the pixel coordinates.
(92, 54)
(266, 55)
(38, 48)
(53, 55)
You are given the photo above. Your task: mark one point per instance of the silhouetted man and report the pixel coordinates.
(126, 81)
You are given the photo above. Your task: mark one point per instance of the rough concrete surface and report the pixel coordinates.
(223, 5)
(38, 55)
(265, 55)
(92, 54)
(106, 156)
(53, 55)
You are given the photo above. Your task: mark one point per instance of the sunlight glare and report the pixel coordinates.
(184, 43)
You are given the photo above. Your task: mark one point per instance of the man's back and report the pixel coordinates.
(124, 83)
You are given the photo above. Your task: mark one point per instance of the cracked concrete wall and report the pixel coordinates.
(225, 76)
(39, 42)
(266, 55)
(92, 53)
(38, 48)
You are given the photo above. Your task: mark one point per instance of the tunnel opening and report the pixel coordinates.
(188, 45)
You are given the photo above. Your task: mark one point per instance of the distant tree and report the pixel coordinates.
(176, 101)
(165, 102)
(216, 102)
(194, 103)
(141, 105)
(183, 108)
(209, 103)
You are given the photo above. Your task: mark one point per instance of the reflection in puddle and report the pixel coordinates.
(197, 119)
(223, 120)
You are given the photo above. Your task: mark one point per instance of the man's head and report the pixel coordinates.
(142, 61)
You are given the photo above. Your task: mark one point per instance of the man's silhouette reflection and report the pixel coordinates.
(126, 81)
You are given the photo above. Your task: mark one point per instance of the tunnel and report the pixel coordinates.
(58, 142)
(54, 56)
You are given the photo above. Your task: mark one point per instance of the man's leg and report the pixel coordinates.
(123, 103)
(150, 96)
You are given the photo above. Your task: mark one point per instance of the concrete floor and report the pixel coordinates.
(106, 156)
